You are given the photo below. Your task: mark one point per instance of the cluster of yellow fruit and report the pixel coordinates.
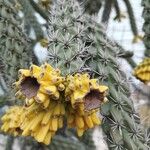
(12, 120)
(41, 84)
(42, 124)
(142, 71)
(85, 96)
(48, 98)
(82, 122)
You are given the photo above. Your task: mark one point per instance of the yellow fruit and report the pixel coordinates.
(80, 131)
(79, 121)
(37, 120)
(88, 121)
(61, 87)
(142, 71)
(60, 122)
(29, 101)
(47, 139)
(95, 119)
(40, 84)
(70, 119)
(47, 117)
(103, 88)
(24, 72)
(80, 109)
(47, 67)
(19, 95)
(79, 86)
(41, 97)
(54, 124)
(46, 103)
(57, 110)
(62, 109)
(42, 133)
(35, 71)
(26, 130)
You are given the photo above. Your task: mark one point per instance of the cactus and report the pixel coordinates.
(146, 26)
(120, 119)
(14, 51)
(77, 43)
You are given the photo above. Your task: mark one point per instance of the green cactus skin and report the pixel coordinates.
(14, 51)
(146, 26)
(66, 47)
(77, 43)
(120, 123)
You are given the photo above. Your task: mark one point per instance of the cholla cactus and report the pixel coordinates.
(146, 26)
(14, 51)
(120, 118)
(78, 43)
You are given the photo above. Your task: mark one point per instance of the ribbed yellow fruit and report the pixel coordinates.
(54, 124)
(88, 121)
(42, 133)
(79, 121)
(80, 88)
(95, 119)
(80, 131)
(41, 84)
(48, 138)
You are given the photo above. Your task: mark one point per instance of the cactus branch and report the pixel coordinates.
(131, 17)
(146, 26)
(107, 11)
